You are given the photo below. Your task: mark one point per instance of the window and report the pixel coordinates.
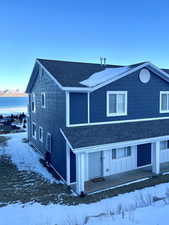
(43, 100)
(33, 106)
(164, 145)
(34, 130)
(49, 142)
(41, 134)
(121, 152)
(113, 153)
(116, 103)
(164, 102)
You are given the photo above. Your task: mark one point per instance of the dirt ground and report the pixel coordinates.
(23, 186)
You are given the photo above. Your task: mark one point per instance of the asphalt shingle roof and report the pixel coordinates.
(70, 74)
(85, 136)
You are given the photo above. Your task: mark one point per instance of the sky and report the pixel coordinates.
(125, 32)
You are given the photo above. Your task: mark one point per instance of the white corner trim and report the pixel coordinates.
(66, 139)
(108, 114)
(67, 108)
(161, 93)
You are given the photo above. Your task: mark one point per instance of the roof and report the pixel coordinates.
(70, 74)
(79, 75)
(87, 136)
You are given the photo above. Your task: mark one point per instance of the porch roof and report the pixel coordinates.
(95, 135)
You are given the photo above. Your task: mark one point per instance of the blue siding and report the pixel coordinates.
(72, 167)
(78, 108)
(143, 99)
(143, 154)
(51, 119)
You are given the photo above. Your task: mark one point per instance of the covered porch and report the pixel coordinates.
(138, 153)
(124, 178)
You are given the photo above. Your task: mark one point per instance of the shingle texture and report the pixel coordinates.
(85, 136)
(70, 74)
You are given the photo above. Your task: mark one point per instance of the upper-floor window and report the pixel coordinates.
(34, 130)
(33, 102)
(43, 100)
(164, 101)
(116, 103)
(41, 134)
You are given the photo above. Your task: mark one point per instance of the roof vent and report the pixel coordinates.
(102, 61)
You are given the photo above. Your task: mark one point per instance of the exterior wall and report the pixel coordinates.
(164, 155)
(50, 119)
(143, 99)
(72, 167)
(120, 165)
(78, 108)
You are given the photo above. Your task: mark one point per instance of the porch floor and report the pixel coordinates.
(123, 178)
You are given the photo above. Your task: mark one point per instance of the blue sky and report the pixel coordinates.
(124, 32)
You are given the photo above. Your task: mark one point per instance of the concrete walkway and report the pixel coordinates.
(122, 178)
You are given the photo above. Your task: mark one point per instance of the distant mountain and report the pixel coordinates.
(12, 93)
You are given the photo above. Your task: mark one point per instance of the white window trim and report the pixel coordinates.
(163, 92)
(41, 139)
(43, 106)
(33, 99)
(34, 136)
(107, 103)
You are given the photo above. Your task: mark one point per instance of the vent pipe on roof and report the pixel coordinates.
(104, 59)
(101, 61)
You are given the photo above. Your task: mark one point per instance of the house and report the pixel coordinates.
(99, 120)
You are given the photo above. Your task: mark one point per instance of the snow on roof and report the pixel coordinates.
(101, 77)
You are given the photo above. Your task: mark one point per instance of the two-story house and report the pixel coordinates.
(99, 120)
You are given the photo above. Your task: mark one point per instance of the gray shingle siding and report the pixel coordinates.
(94, 135)
(50, 119)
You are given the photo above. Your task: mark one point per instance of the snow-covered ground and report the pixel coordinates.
(23, 156)
(134, 208)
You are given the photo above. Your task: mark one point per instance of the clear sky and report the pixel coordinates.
(123, 31)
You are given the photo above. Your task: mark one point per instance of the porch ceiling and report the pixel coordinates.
(94, 135)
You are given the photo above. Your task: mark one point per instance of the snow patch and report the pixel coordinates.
(102, 76)
(23, 156)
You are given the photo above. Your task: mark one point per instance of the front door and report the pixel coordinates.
(95, 164)
(143, 154)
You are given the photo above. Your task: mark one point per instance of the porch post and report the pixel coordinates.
(67, 164)
(80, 173)
(156, 157)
